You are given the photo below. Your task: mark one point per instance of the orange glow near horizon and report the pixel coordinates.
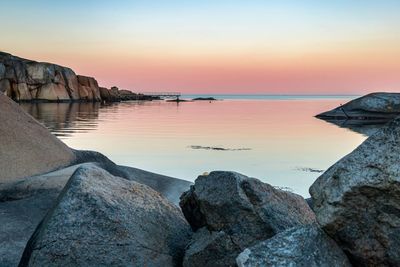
(279, 47)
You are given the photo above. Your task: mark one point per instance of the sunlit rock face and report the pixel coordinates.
(27, 80)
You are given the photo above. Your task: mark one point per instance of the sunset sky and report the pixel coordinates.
(269, 46)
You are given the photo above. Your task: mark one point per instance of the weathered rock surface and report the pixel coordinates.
(26, 80)
(357, 200)
(25, 202)
(298, 246)
(102, 220)
(371, 106)
(244, 209)
(211, 248)
(26, 147)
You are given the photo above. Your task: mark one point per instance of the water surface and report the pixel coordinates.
(276, 139)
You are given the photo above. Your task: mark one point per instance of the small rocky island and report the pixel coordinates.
(66, 207)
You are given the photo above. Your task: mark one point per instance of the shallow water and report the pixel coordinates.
(275, 139)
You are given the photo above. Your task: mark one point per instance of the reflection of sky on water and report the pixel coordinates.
(283, 137)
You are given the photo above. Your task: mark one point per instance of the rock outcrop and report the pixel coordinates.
(26, 147)
(26, 80)
(230, 212)
(102, 220)
(371, 106)
(298, 246)
(357, 200)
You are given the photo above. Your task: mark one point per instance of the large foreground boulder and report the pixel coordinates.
(298, 246)
(371, 106)
(26, 147)
(25, 202)
(102, 220)
(357, 200)
(230, 212)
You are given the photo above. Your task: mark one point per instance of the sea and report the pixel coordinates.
(275, 138)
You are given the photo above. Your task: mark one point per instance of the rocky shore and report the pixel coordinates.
(374, 106)
(27, 80)
(63, 207)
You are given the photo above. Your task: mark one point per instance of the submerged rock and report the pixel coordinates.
(102, 220)
(370, 106)
(240, 211)
(357, 200)
(26, 147)
(298, 246)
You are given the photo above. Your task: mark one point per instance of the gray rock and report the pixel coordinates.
(357, 200)
(300, 246)
(210, 249)
(102, 220)
(25, 202)
(246, 209)
(26, 147)
(371, 106)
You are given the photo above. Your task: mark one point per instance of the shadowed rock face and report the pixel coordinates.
(357, 200)
(371, 106)
(26, 147)
(298, 246)
(102, 220)
(27, 80)
(230, 212)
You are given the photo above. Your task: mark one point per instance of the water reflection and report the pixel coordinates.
(284, 143)
(364, 127)
(65, 119)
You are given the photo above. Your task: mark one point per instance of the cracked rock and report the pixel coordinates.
(103, 220)
(230, 212)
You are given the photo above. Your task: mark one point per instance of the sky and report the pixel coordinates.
(219, 46)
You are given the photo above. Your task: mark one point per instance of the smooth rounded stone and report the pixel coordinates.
(27, 148)
(299, 246)
(370, 106)
(244, 208)
(357, 200)
(103, 220)
(210, 249)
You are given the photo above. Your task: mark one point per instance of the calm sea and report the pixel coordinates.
(274, 138)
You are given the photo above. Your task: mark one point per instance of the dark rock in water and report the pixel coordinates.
(299, 246)
(102, 220)
(357, 200)
(204, 99)
(219, 148)
(371, 106)
(178, 100)
(245, 209)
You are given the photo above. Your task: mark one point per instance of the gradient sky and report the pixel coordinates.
(269, 46)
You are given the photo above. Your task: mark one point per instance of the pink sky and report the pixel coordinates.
(273, 47)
